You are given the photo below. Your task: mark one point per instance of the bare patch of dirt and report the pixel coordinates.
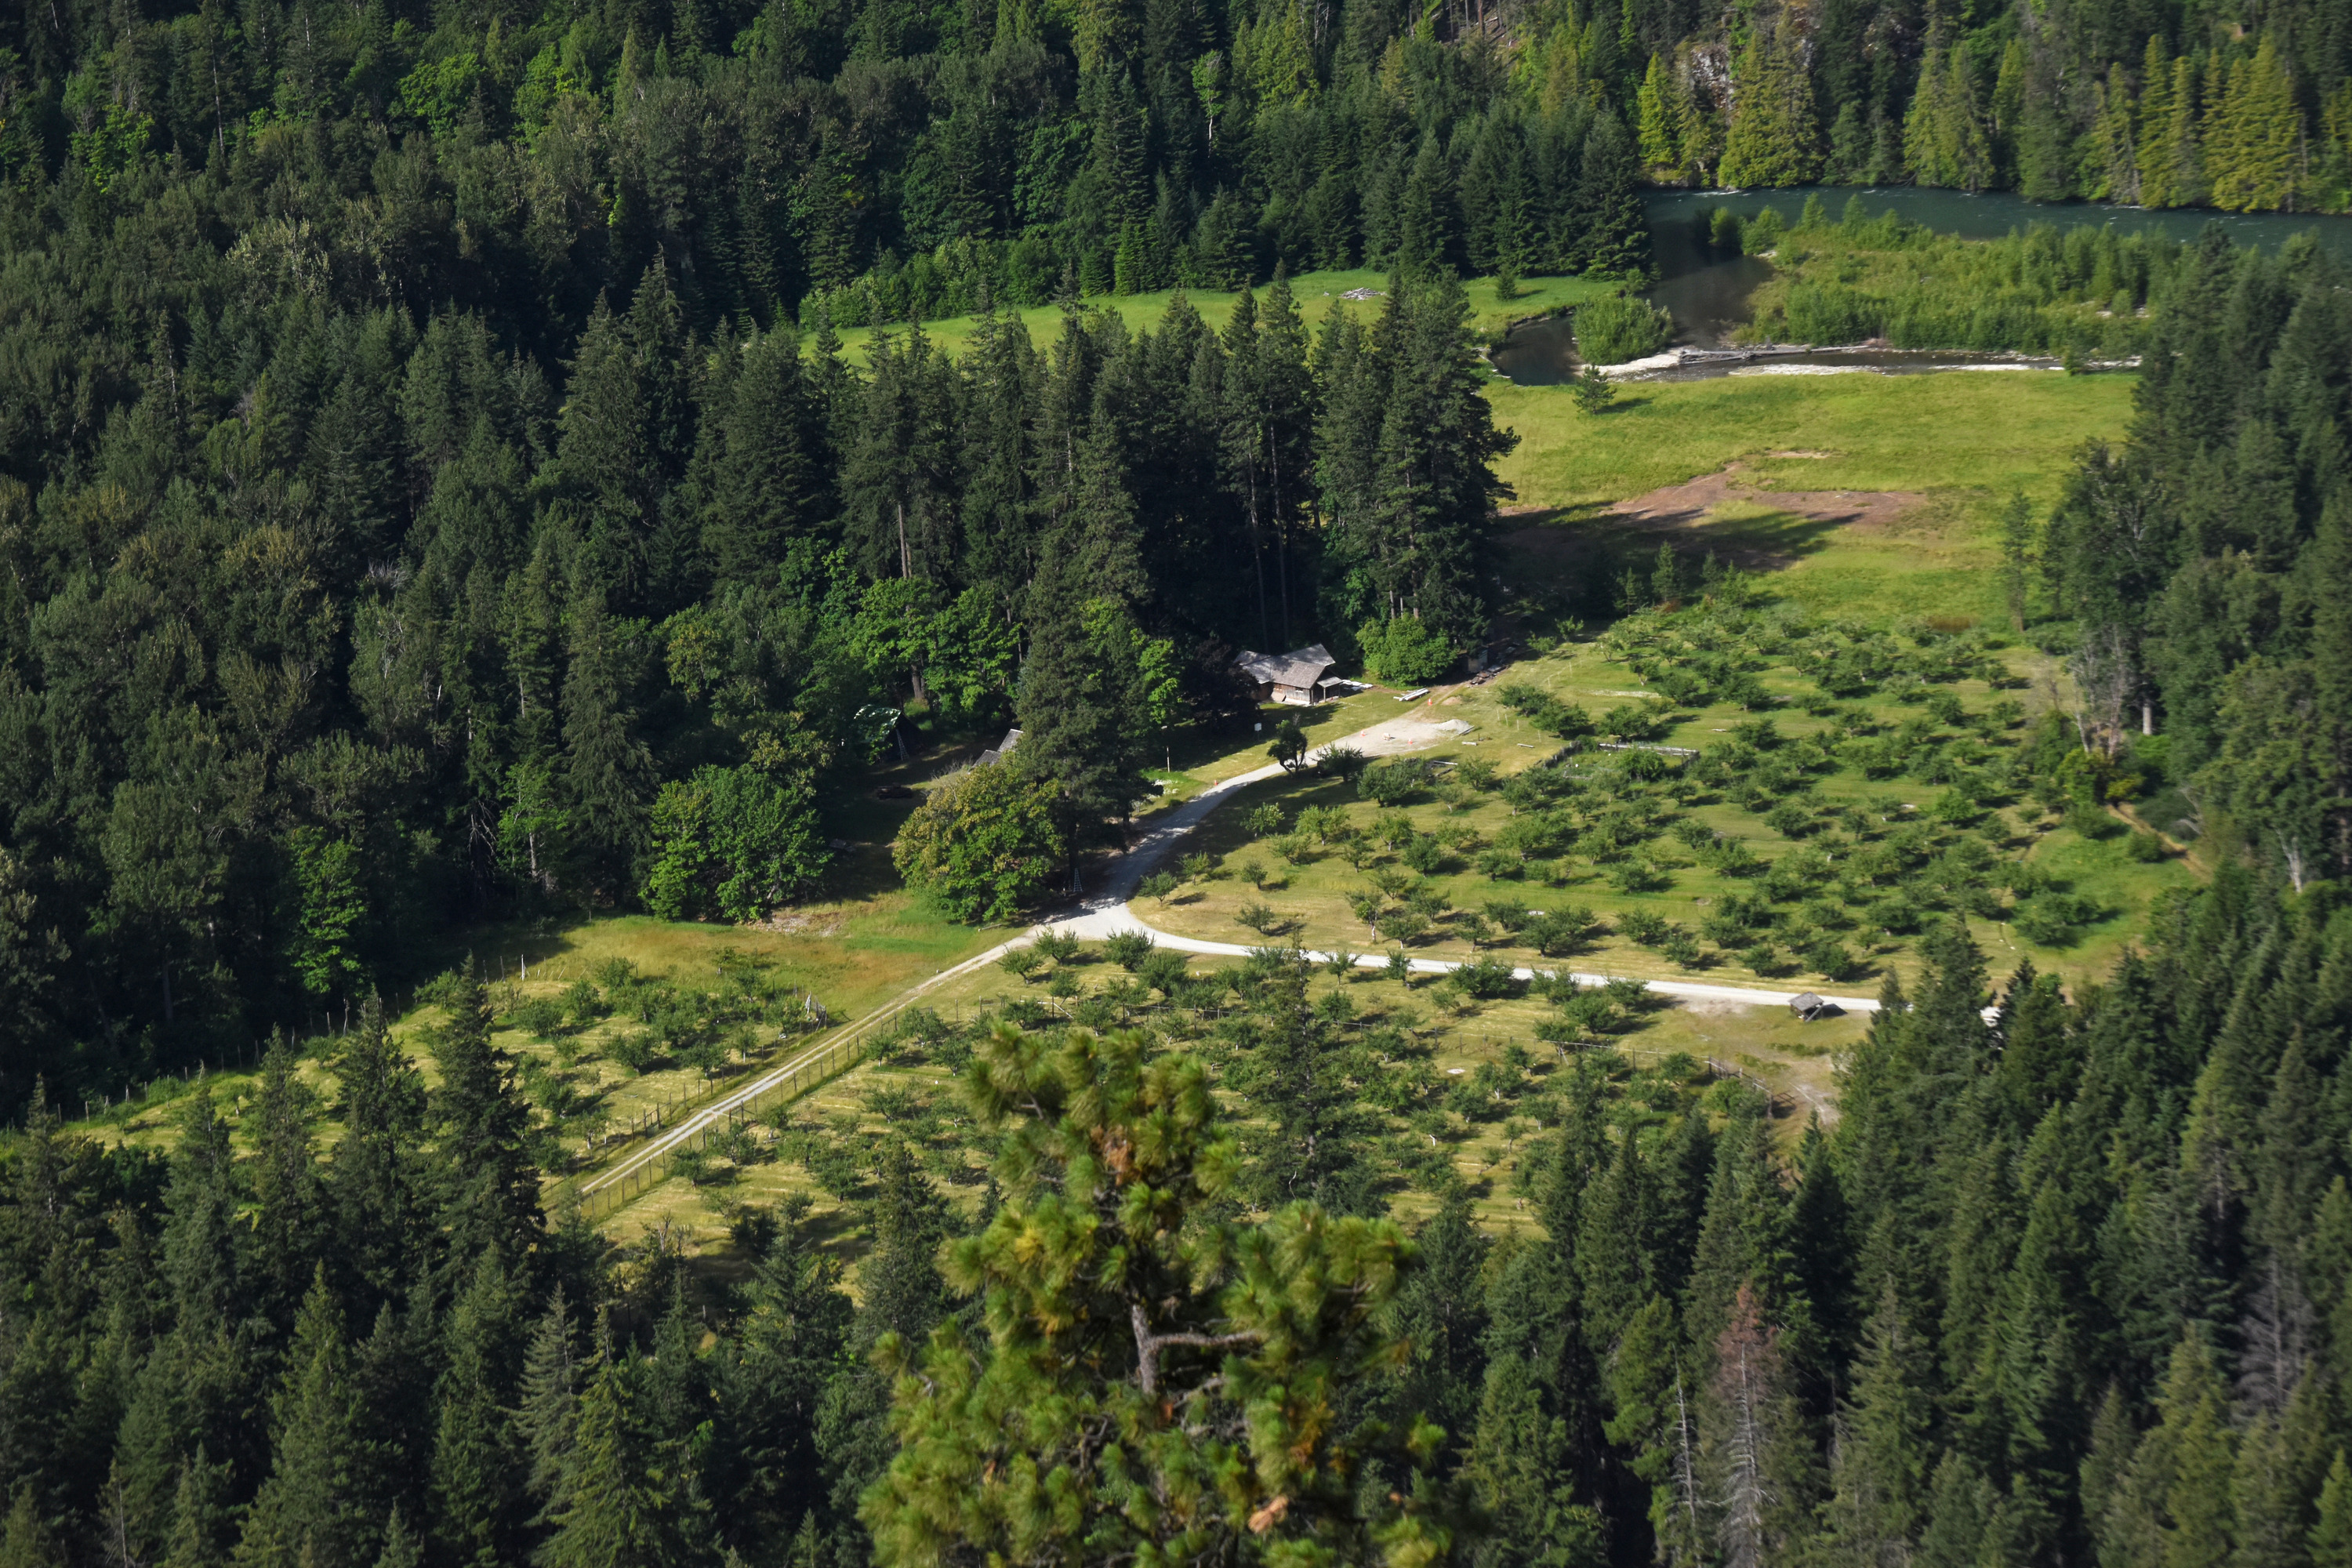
(1674, 508)
(1711, 1008)
(1687, 504)
(801, 922)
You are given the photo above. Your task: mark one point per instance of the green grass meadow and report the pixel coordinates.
(1964, 441)
(1318, 293)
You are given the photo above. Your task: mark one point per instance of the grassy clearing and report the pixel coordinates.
(1976, 429)
(743, 988)
(1319, 293)
(821, 1150)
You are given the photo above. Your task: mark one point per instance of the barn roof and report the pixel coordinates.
(1300, 666)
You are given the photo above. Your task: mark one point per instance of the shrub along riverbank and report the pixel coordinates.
(2087, 291)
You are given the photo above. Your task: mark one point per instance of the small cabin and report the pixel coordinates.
(1001, 750)
(1809, 1007)
(1297, 677)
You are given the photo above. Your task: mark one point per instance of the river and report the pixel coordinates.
(1708, 291)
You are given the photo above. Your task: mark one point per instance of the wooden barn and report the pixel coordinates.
(1297, 677)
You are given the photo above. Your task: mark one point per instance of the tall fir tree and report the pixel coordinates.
(1775, 133)
(478, 1510)
(375, 1183)
(1660, 134)
(490, 1184)
(626, 1503)
(318, 1507)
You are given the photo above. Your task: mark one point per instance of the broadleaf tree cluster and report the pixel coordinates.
(421, 503)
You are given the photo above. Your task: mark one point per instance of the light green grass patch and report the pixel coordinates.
(1990, 433)
(1318, 293)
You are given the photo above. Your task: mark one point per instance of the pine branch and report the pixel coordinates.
(1147, 1345)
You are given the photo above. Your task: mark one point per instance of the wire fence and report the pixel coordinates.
(600, 1195)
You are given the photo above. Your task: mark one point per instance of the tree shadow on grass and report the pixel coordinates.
(1571, 542)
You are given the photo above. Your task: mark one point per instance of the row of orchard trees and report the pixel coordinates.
(2071, 1285)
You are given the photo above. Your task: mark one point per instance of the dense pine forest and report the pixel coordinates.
(432, 492)
(433, 489)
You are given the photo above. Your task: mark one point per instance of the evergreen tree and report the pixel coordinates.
(289, 1206)
(2158, 156)
(1774, 137)
(201, 1246)
(1885, 1443)
(1436, 445)
(793, 1330)
(2253, 146)
(1299, 1080)
(625, 1505)
(2172, 163)
(201, 1514)
(374, 1187)
(1943, 137)
(1660, 135)
(2113, 164)
(2173, 1504)
(1426, 220)
(772, 481)
(1655, 1421)
(1440, 1315)
(1285, 391)
(608, 772)
(477, 1508)
(1742, 1238)
(1612, 230)
(402, 1548)
(318, 1509)
(2331, 1535)
(547, 1417)
(1614, 1244)
(898, 479)
(1246, 414)
(1516, 1465)
(1120, 1158)
(490, 1184)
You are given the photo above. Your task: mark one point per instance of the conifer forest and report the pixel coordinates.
(525, 526)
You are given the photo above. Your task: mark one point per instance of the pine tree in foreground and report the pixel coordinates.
(1158, 1383)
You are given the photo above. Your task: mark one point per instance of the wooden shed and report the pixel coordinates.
(1296, 677)
(1810, 1007)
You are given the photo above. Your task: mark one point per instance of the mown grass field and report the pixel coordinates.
(1318, 293)
(1965, 442)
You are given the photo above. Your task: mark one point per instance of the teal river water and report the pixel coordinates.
(1709, 292)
